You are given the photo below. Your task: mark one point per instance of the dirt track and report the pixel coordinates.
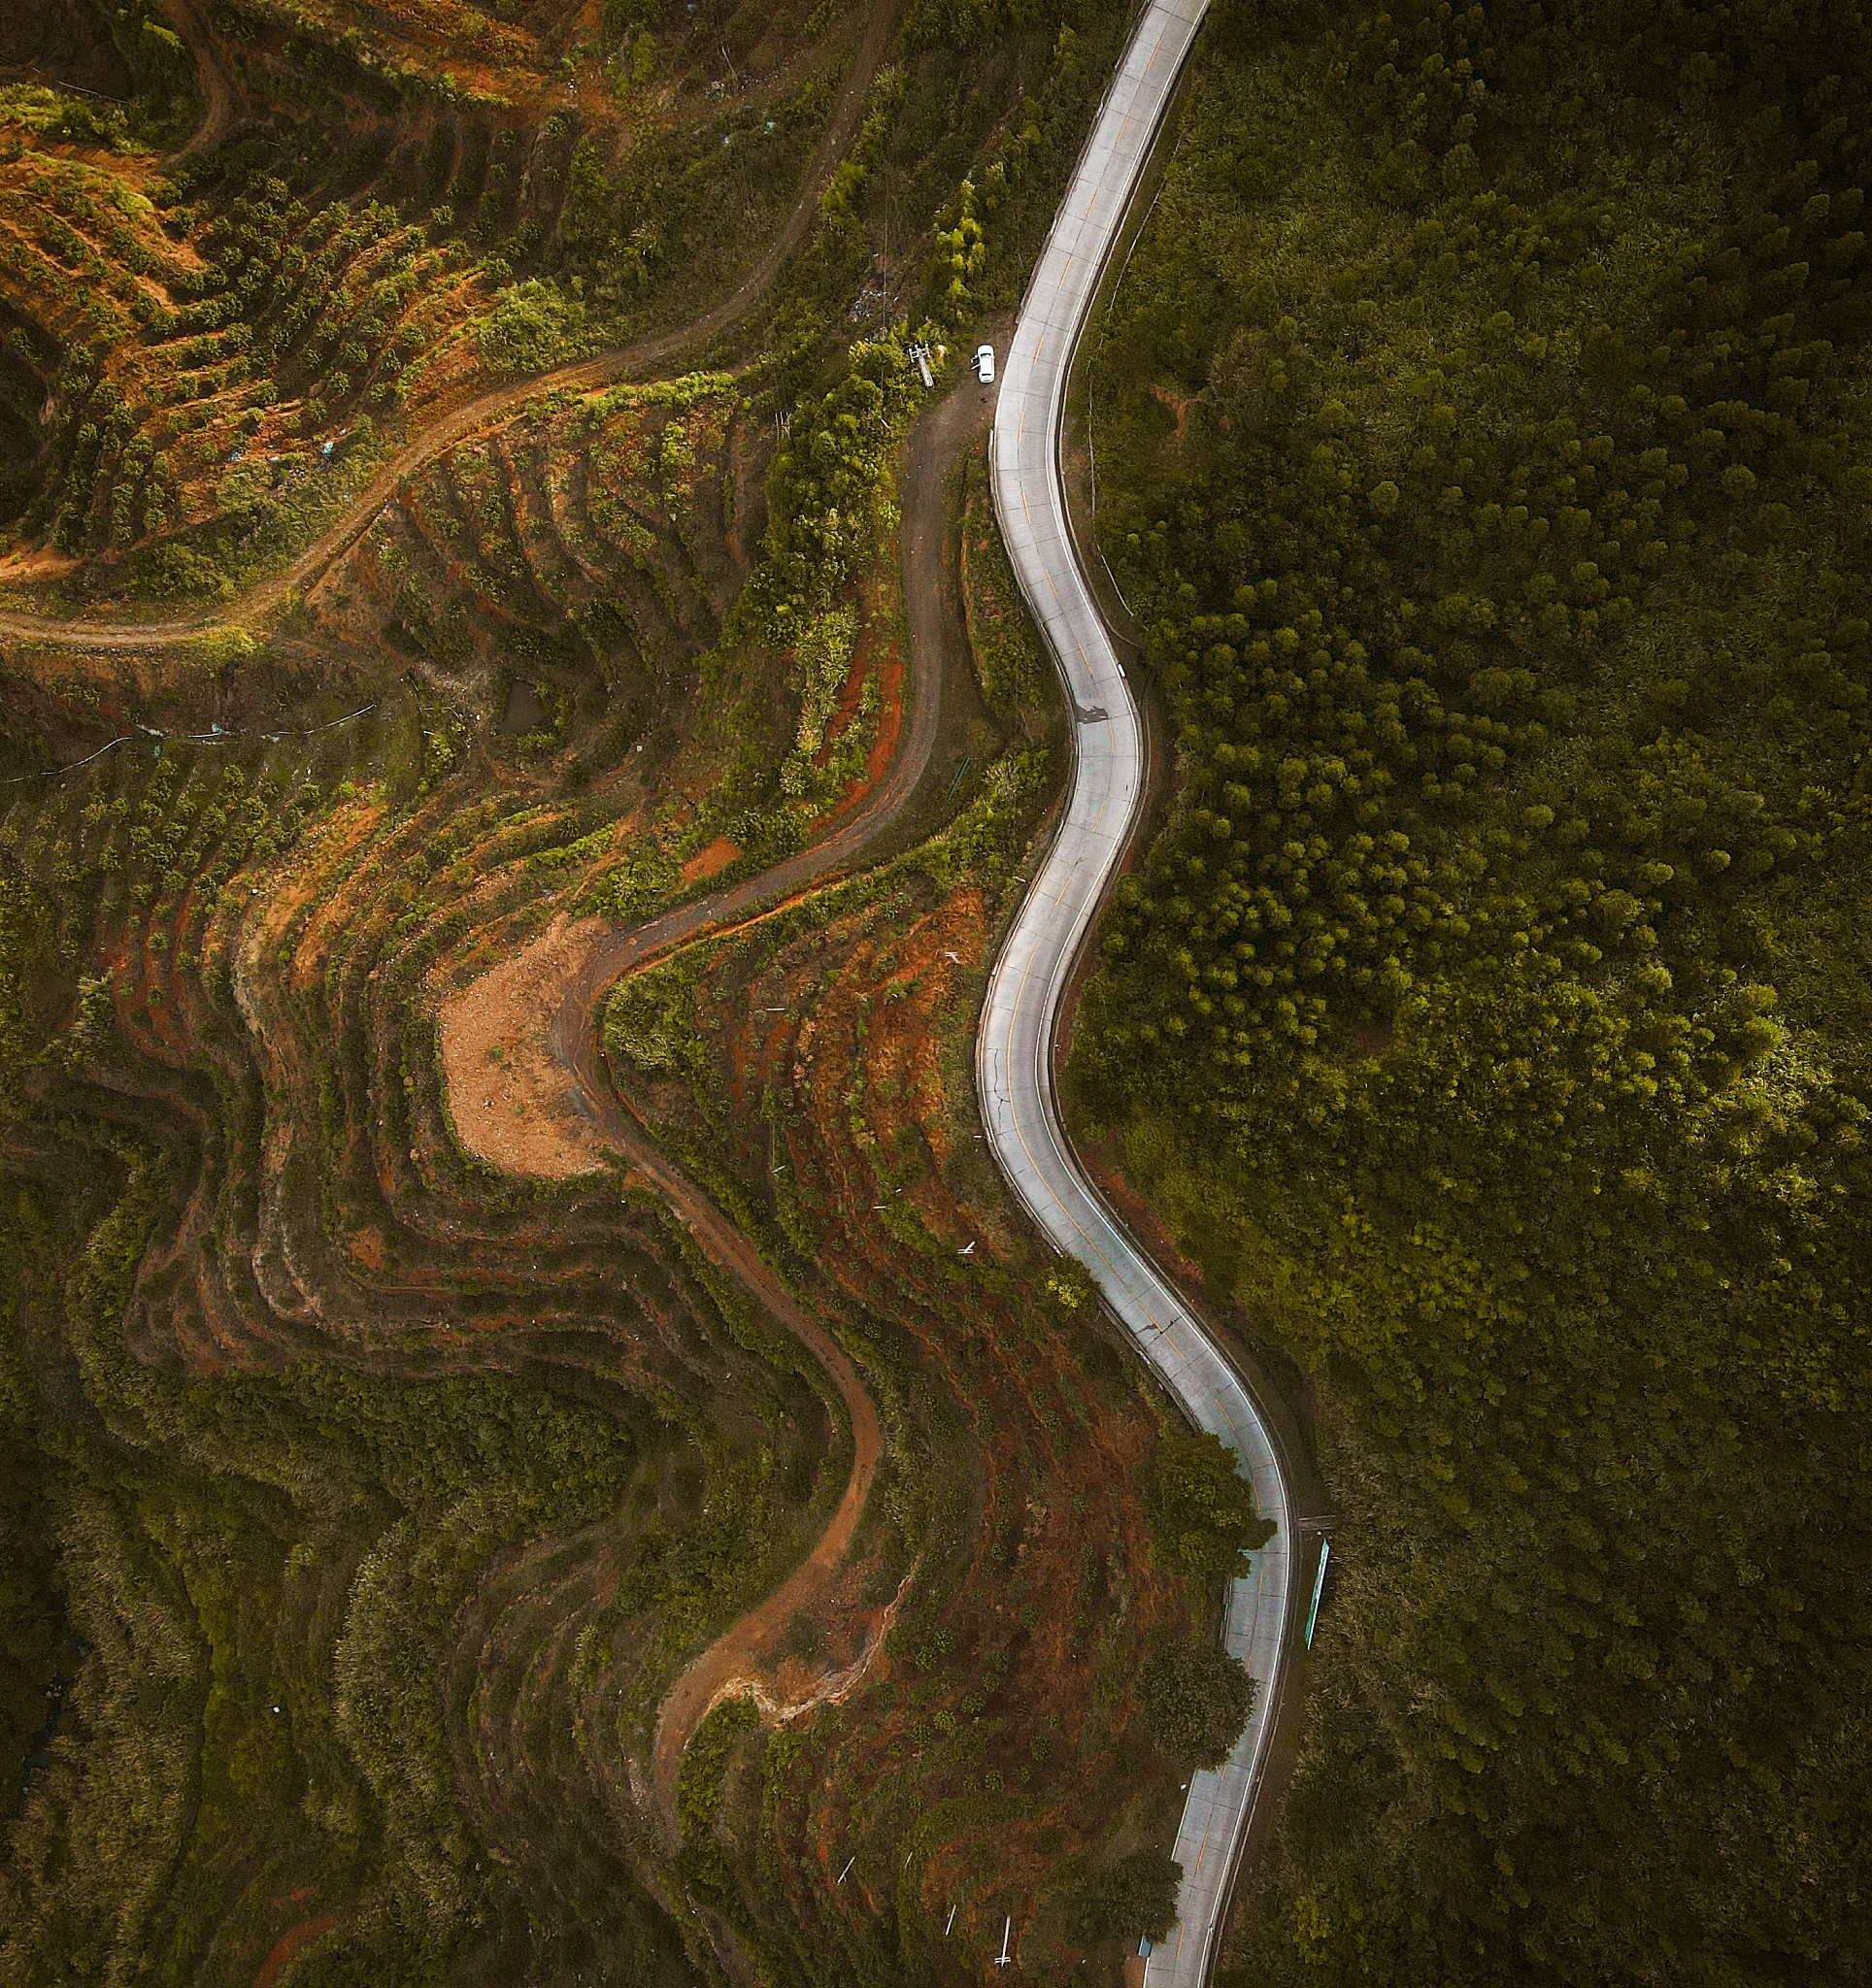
(938, 646)
(575, 1116)
(590, 960)
(490, 409)
(218, 93)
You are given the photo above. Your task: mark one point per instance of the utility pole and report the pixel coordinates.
(1006, 1956)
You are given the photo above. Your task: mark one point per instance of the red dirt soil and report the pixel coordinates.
(889, 720)
(712, 861)
(510, 1099)
(288, 1943)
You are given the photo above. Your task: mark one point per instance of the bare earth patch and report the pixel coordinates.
(38, 562)
(1179, 404)
(743, 1665)
(511, 1102)
(288, 1944)
(711, 861)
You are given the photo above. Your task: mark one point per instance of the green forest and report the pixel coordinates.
(1484, 437)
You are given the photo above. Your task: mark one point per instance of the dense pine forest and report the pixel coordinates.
(1484, 438)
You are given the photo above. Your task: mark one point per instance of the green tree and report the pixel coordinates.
(1204, 1514)
(534, 325)
(1197, 1698)
(1137, 1896)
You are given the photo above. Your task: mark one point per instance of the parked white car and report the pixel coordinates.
(984, 364)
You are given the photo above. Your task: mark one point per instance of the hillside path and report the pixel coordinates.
(488, 410)
(575, 1041)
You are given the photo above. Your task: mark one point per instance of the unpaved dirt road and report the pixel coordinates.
(490, 409)
(588, 1118)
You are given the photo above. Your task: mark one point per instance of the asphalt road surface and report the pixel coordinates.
(1015, 1048)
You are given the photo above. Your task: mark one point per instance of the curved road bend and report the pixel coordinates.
(1014, 1054)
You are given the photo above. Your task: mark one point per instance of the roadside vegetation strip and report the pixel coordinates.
(1015, 1044)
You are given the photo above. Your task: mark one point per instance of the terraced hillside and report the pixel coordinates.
(815, 1064)
(506, 1475)
(294, 1218)
(587, 552)
(457, 1467)
(198, 366)
(199, 358)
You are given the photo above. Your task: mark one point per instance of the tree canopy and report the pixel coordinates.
(1137, 1896)
(1483, 442)
(1197, 1697)
(1206, 1523)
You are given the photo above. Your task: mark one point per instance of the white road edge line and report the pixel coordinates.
(1013, 1057)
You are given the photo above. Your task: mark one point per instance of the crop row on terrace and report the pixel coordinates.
(181, 356)
(588, 550)
(631, 54)
(192, 366)
(815, 1066)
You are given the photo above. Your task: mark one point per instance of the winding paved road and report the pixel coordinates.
(1015, 1048)
(1014, 1053)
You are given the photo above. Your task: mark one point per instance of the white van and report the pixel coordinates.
(984, 364)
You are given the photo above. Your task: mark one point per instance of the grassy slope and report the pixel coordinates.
(1484, 431)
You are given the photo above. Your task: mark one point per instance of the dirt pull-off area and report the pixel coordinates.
(513, 1101)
